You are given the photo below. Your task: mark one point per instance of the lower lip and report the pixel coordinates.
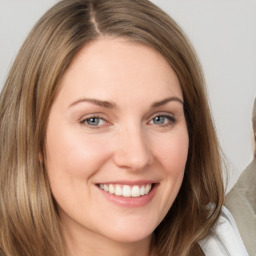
(130, 201)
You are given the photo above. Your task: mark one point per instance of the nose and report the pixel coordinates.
(132, 150)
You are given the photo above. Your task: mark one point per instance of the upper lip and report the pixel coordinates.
(131, 183)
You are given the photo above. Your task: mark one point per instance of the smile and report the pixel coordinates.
(126, 190)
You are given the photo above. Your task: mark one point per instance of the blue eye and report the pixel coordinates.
(159, 120)
(162, 120)
(94, 122)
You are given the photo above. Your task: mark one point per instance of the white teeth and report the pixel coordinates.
(118, 191)
(126, 190)
(135, 191)
(147, 189)
(105, 188)
(142, 190)
(111, 189)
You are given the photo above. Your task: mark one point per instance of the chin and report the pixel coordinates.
(130, 234)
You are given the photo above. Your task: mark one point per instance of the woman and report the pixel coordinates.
(107, 142)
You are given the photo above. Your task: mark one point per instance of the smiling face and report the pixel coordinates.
(116, 142)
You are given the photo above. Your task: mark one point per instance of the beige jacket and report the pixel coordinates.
(241, 201)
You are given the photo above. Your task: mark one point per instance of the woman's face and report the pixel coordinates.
(116, 142)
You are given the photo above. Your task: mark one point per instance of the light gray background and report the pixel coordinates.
(223, 33)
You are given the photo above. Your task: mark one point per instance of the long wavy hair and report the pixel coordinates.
(29, 223)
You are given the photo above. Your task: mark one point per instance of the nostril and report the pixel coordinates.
(132, 151)
(132, 160)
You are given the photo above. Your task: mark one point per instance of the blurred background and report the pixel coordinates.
(223, 33)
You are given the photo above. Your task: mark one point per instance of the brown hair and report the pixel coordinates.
(29, 220)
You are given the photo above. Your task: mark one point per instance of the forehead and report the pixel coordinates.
(116, 67)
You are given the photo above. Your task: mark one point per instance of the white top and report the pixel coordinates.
(224, 240)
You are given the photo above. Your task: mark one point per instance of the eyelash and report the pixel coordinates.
(86, 120)
(170, 121)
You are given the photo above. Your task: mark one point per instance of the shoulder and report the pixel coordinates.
(246, 181)
(243, 196)
(224, 238)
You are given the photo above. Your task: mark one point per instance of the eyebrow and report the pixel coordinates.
(104, 104)
(165, 101)
(111, 105)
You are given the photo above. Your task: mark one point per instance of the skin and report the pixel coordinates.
(130, 139)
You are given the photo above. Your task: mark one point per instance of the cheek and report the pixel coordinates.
(172, 152)
(72, 160)
(74, 154)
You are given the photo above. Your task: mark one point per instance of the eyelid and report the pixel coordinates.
(96, 116)
(169, 116)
